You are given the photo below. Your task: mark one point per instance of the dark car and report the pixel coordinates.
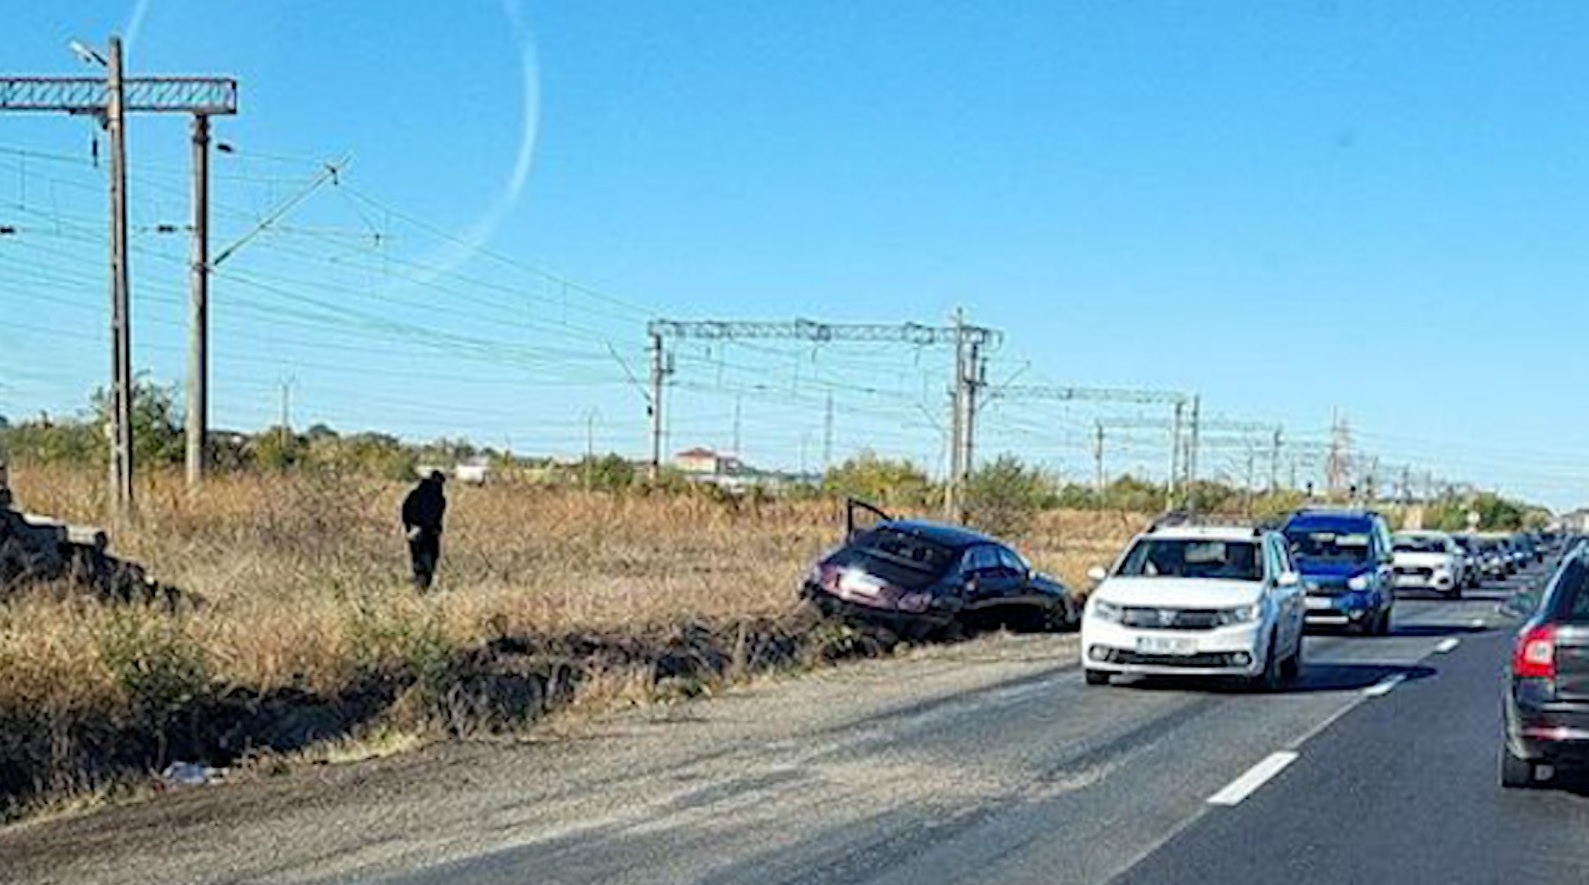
(919, 578)
(1473, 559)
(1345, 560)
(1547, 689)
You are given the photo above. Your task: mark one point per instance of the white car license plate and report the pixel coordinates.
(1319, 603)
(1166, 645)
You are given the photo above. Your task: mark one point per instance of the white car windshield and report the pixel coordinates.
(1193, 558)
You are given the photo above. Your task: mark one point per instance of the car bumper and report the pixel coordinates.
(893, 619)
(1237, 650)
(1339, 611)
(1549, 732)
(1440, 582)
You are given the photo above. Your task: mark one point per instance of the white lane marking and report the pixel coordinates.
(1383, 687)
(1447, 644)
(1477, 623)
(1255, 777)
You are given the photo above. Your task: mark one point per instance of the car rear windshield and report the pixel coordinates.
(1334, 544)
(1420, 545)
(1193, 558)
(910, 551)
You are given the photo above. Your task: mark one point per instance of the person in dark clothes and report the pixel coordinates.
(423, 510)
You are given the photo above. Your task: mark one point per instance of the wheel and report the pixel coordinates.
(1271, 678)
(1516, 772)
(1097, 677)
(1453, 594)
(1291, 668)
(1382, 623)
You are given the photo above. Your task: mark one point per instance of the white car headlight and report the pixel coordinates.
(1105, 611)
(1357, 582)
(1243, 614)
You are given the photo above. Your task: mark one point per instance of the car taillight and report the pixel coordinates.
(1535, 655)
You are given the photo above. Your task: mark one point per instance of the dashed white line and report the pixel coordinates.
(1384, 686)
(1447, 644)
(1477, 623)
(1255, 777)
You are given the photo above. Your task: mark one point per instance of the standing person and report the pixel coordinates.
(423, 510)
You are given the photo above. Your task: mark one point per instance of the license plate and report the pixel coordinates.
(1166, 645)
(1318, 603)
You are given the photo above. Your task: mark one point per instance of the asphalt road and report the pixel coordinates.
(989, 761)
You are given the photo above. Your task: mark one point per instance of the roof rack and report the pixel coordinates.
(1181, 518)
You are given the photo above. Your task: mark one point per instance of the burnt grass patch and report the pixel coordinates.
(499, 686)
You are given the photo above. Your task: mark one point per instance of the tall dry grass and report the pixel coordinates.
(303, 581)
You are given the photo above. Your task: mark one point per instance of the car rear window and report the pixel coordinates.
(1569, 595)
(1193, 558)
(1335, 542)
(1420, 545)
(904, 549)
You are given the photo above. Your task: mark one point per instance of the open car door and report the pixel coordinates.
(860, 516)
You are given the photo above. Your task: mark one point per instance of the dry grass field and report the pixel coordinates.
(301, 582)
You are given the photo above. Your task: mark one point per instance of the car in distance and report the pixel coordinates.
(1546, 699)
(1491, 557)
(1345, 559)
(1197, 600)
(1428, 561)
(918, 578)
(1472, 560)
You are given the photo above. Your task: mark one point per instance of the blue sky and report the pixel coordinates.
(1290, 208)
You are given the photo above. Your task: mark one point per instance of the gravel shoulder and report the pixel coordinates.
(455, 800)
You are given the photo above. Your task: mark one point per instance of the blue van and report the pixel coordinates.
(1345, 560)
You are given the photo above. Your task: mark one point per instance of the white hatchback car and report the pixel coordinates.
(1429, 561)
(1197, 600)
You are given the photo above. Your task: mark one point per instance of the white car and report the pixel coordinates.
(1429, 561)
(1184, 600)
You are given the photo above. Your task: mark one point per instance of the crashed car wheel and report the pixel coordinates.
(1097, 677)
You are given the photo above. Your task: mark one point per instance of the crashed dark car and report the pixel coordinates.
(921, 578)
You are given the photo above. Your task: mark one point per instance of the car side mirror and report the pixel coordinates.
(1096, 573)
(1289, 579)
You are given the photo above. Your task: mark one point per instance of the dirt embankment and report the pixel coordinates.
(502, 685)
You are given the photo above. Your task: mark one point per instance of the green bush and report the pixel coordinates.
(880, 480)
(1004, 495)
(159, 666)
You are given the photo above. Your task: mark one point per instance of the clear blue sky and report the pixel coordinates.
(1290, 208)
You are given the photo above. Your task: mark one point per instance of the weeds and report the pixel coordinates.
(309, 632)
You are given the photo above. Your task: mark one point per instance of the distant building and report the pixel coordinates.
(705, 462)
(471, 472)
(1576, 522)
(728, 472)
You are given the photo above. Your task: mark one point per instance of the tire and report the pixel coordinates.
(1291, 668)
(1452, 595)
(1271, 679)
(1382, 622)
(1516, 772)
(1097, 677)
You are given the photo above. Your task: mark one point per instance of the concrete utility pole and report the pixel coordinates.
(110, 99)
(827, 435)
(1098, 482)
(198, 411)
(121, 469)
(1196, 441)
(658, 378)
(1175, 455)
(286, 414)
(970, 384)
(1274, 461)
(738, 440)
